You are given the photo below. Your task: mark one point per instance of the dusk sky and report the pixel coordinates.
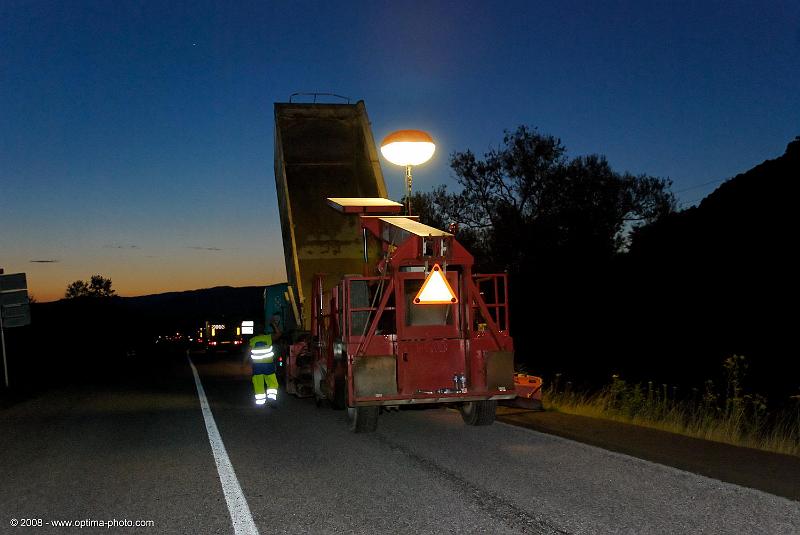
(136, 138)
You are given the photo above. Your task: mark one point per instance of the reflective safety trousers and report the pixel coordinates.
(271, 392)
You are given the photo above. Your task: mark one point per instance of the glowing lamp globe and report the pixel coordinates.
(408, 147)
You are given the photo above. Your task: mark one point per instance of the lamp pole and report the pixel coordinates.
(408, 190)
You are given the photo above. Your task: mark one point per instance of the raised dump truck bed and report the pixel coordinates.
(321, 151)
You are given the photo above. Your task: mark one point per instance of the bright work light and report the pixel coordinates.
(407, 148)
(436, 290)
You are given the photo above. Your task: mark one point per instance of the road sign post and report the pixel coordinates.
(14, 308)
(3, 342)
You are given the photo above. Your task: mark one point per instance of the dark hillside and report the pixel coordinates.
(722, 279)
(184, 310)
(746, 219)
(84, 337)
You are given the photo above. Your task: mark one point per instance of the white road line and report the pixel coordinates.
(237, 504)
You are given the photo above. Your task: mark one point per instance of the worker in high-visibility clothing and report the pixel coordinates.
(263, 357)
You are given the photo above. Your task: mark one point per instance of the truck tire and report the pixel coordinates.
(363, 419)
(479, 412)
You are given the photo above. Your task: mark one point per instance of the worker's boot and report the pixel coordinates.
(272, 397)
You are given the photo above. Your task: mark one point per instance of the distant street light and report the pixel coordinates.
(407, 148)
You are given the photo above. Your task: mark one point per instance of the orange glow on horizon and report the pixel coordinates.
(49, 282)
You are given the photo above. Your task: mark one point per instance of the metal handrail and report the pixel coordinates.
(315, 95)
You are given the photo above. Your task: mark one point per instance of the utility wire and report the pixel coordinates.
(701, 185)
(687, 203)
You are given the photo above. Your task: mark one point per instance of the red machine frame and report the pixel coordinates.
(467, 358)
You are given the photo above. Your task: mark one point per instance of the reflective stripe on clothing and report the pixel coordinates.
(262, 354)
(266, 354)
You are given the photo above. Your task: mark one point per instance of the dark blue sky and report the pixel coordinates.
(136, 138)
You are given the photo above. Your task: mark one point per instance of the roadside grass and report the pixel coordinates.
(733, 416)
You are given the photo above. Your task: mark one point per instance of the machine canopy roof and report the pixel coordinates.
(364, 205)
(413, 227)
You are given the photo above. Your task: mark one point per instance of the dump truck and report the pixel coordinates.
(389, 311)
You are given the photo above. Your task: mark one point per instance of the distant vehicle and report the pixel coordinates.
(218, 337)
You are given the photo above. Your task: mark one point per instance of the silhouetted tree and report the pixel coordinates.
(77, 289)
(526, 202)
(98, 286)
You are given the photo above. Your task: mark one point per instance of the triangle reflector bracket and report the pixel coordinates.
(436, 290)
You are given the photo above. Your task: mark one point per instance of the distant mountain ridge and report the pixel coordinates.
(192, 307)
(184, 311)
(216, 294)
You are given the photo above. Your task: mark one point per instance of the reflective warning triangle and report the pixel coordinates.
(436, 290)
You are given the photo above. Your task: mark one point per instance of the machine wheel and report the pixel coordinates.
(478, 412)
(363, 419)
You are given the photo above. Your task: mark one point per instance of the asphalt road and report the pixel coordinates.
(136, 448)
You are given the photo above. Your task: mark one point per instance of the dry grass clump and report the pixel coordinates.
(733, 417)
